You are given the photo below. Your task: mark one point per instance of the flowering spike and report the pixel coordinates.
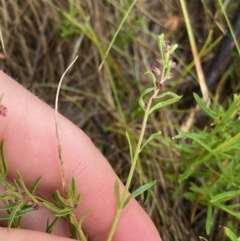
(156, 71)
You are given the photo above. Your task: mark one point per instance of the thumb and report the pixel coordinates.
(15, 234)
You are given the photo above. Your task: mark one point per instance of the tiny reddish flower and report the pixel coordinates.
(173, 65)
(3, 110)
(156, 71)
(160, 85)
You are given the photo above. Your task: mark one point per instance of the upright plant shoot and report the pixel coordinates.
(150, 100)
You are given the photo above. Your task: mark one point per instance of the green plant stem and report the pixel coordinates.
(134, 162)
(79, 230)
(136, 154)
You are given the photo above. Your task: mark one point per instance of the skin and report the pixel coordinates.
(30, 147)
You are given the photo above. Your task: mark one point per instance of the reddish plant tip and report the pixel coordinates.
(173, 65)
(3, 110)
(160, 85)
(156, 71)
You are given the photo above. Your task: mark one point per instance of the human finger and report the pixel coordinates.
(31, 148)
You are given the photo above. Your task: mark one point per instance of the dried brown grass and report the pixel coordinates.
(36, 56)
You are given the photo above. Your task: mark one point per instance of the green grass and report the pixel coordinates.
(199, 169)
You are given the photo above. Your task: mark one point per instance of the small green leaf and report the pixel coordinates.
(50, 206)
(161, 44)
(190, 196)
(138, 191)
(59, 196)
(21, 182)
(173, 48)
(83, 217)
(141, 101)
(35, 185)
(78, 199)
(163, 95)
(149, 73)
(130, 145)
(17, 213)
(209, 221)
(185, 175)
(197, 138)
(166, 57)
(63, 212)
(204, 107)
(231, 235)
(222, 197)
(52, 224)
(13, 213)
(56, 200)
(72, 189)
(8, 206)
(150, 138)
(117, 192)
(3, 162)
(170, 101)
(6, 184)
(168, 70)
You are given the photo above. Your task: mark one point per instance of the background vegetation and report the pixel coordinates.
(40, 38)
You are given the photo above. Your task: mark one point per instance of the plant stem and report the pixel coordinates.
(136, 154)
(134, 162)
(158, 86)
(79, 229)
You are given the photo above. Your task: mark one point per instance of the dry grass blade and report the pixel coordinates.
(2, 42)
(57, 131)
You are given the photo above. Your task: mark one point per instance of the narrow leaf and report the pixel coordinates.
(163, 95)
(83, 217)
(185, 175)
(50, 207)
(204, 107)
(51, 225)
(222, 197)
(72, 189)
(164, 103)
(78, 199)
(35, 185)
(130, 145)
(117, 31)
(231, 235)
(21, 182)
(141, 101)
(168, 70)
(117, 192)
(173, 48)
(56, 200)
(161, 44)
(63, 212)
(196, 137)
(149, 73)
(61, 199)
(19, 213)
(138, 191)
(8, 206)
(150, 138)
(13, 213)
(209, 221)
